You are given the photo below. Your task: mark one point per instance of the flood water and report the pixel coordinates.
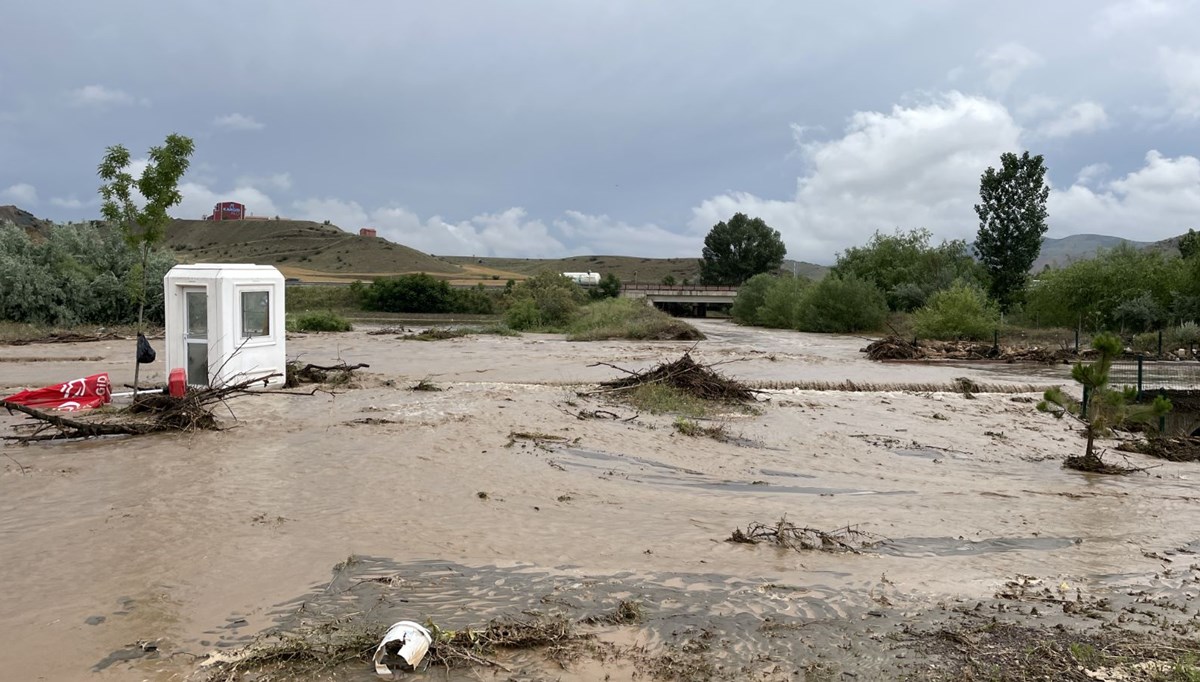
(129, 559)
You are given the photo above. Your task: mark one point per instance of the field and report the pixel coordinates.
(512, 484)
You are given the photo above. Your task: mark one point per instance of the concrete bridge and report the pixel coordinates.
(686, 300)
(685, 293)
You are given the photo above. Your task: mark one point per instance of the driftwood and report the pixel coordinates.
(149, 413)
(896, 348)
(684, 374)
(784, 533)
(340, 373)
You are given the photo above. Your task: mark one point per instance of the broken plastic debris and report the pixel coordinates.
(402, 647)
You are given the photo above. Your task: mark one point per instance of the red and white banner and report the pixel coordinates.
(78, 394)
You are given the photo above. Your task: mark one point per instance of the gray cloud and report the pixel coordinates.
(624, 126)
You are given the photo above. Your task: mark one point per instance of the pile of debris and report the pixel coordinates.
(151, 412)
(339, 374)
(896, 348)
(688, 376)
(1181, 449)
(784, 533)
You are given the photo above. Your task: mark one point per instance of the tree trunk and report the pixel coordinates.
(137, 366)
(1090, 454)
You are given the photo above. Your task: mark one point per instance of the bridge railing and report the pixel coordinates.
(681, 289)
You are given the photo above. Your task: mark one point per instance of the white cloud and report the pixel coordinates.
(1081, 117)
(915, 166)
(198, 201)
(22, 194)
(1089, 174)
(1159, 200)
(1131, 14)
(101, 97)
(1181, 72)
(1006, 63)
(69, 202)
(237, 121)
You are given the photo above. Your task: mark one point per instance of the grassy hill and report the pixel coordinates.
(628, 268)
(299, 248)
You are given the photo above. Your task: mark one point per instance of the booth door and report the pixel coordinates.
(195, 335)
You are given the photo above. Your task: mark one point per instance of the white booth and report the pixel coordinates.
(225, 322)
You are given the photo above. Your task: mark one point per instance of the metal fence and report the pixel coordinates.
(1149, 375)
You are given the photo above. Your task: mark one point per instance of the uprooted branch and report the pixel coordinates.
(149, 413)
(340, 373)
(786, 534)
(684, 374)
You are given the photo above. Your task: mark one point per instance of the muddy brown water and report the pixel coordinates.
(195, 542)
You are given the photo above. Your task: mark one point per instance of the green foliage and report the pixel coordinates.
(85, 273)
(422, 293)
(835, 304)
(750, 297)
(544, 302)
(320, 321)
(624, 318)
(842, 305)
(1107, 408)
(158, 186)
(609, 287)
(961, 312)
(1189, 244)
(907, 268)
(1120, 288)
(668, 280)
(1012, 222)
(304, 298)
(783, 302)
(737, 250)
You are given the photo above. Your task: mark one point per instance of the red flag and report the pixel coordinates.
(78, 394)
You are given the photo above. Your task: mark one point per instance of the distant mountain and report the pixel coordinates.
(1064, 251)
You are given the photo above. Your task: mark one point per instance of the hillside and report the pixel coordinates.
(1060, 252)
(33, 226)
(628, 268)
(298, 248)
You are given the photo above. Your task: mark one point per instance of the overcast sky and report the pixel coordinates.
(555, 127)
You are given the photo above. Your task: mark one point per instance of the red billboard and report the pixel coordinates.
(228, 210)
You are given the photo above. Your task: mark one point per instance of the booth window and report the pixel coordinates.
(256, 314)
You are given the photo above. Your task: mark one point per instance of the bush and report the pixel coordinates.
(840, 305)
(750, 298)
(85, 273)
(324, 321)
(623, 318)
(422, 293)
(960, 312)
(783, 302)
(545, 302)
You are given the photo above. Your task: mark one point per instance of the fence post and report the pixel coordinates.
(996, 340)
(1139, 378)
(1086, 395)
(1077, 339)
(1160, 343)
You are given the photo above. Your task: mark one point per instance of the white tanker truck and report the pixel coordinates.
(587, 279)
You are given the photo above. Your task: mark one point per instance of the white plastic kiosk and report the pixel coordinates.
(225, 322)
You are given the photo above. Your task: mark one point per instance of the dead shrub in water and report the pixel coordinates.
(788, 535)
(337, 375)
(426, 386)
(693, 429)
(685, 376)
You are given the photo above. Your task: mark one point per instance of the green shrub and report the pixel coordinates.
(545, 302)
(961, 312)
(841, 305)
(323, 321)
(750, 298)
(1185, 335)
(624, 318)
(422, 293)
(85, 273)
(1146, 342)
(783, 303)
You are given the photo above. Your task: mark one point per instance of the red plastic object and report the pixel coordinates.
(79, 394)
(177, 383)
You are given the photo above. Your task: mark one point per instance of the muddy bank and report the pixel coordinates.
(198, 542)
